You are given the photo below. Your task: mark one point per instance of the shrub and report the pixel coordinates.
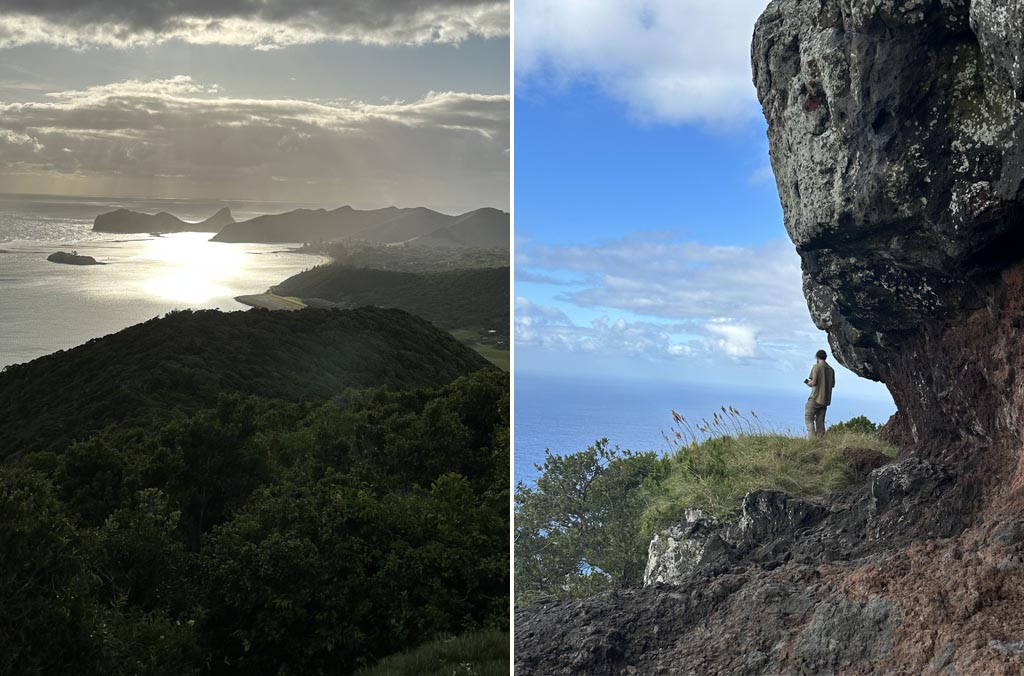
(860, 424)
(575, 531)
(586, 524)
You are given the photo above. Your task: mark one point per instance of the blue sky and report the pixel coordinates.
(649, 237)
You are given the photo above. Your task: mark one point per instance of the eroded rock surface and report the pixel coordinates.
(896, 132)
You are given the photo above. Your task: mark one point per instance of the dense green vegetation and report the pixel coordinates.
(186, 360)
(475, 654)
(451, 299)
(861, 424)
(460, 289)
(256, 536)
(585, 525)
(406, 258)
(255, 493)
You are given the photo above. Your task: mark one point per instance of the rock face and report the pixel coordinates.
(676, 553)
(896, 132)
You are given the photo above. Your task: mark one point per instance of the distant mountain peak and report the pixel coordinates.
(127, 221)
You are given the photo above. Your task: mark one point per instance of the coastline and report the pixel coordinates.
(271, 301)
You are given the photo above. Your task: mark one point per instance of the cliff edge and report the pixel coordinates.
(895, 130)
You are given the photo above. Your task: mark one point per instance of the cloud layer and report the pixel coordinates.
(736, 302)
(258, 23)
(668, 60)
(447, 149)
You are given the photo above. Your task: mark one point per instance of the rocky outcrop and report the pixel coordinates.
(674, 554)
(895, 130)
(125, 221)
(795, 587)
(896, 133)
(72, 258)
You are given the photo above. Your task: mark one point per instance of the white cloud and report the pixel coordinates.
(668, 60)
(550, 328)
(446, 148)
(736, 302)
(263, 24)
(735, 340)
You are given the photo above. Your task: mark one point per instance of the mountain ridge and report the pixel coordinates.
(192, 357)
(390, 225)
(127, 221)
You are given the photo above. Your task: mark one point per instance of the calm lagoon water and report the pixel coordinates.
(568, 413)
(46, 306)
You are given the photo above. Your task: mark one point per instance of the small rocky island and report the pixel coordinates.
(72, 258)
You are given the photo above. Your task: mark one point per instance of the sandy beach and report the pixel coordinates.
(271, 301)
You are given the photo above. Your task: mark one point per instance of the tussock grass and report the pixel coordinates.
(718, 461)
(476, 654)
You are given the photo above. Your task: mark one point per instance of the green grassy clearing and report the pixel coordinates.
(499, 356)
(715, 474)
(477, 654)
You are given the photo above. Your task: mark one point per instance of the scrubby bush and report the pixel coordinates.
(576, 530)
(585, 525)
(859, 424)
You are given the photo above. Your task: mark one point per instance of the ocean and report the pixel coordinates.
(567, 414)
(47, 306)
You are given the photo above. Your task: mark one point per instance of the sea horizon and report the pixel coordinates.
(565, 413)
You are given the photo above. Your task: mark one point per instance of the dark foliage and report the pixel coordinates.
(452, 299)
(405, 258)
(186, 360)
(860, 424)
(257, 536)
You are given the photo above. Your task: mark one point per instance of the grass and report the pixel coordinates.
(476, 654)
(471, 337)
(498, 357)
(721, 460)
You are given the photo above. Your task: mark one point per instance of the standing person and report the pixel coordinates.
(821, 381)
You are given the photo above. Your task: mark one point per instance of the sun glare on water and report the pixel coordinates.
(191, 268)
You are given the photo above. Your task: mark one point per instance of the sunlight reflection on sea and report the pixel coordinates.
(46, 306)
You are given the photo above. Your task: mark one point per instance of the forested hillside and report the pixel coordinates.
(186, 360)
(452, 299)
(157, 518)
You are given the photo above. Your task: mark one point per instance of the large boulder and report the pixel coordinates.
(895, 130)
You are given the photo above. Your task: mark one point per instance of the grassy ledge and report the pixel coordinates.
(585, 525)
(476, 654)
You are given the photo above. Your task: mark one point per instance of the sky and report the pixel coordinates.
(364, 102)
(650, 241)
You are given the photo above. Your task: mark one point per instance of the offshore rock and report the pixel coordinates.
(126, 221)
(72, 258)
